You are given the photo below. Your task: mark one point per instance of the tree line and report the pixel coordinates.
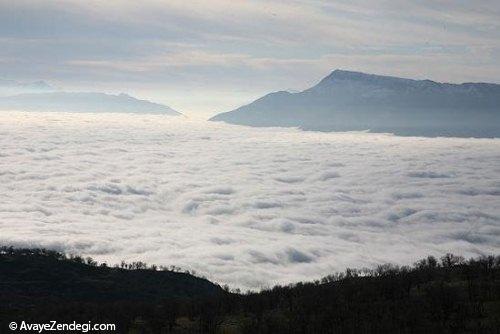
(449, 294)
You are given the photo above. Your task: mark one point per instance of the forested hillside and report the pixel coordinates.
(447, 295)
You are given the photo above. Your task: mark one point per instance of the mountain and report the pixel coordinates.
(350, 101)
(82, 102)
(12, 87)
(446, 295)
(31, 276)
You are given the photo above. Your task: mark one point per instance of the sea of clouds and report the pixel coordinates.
(250, 207)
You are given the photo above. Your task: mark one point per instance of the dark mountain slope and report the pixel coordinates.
(346, 101)
(31, 276)
(453, 295)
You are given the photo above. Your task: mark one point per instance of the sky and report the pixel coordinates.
(205, 57)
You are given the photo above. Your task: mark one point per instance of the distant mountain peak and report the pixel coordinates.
(341, 72)
(345, 74)
(341, 75)
(349, 100)
(40, 84)
(83, 102)
(12, 87)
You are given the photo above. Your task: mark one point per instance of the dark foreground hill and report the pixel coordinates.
(350, 101)
(450, 295)
(28, 276)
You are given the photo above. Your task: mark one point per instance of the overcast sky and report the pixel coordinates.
(203, 57)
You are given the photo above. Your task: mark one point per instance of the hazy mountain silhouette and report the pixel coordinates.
(12, 87)
(82, 102)
(348, 101)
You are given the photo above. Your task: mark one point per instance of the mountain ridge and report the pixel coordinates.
(349, 100)
(13, 87)
(340, 73)
(83, 102)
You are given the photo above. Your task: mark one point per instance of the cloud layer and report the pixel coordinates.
(244, 206)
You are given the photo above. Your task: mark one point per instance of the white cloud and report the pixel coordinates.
(245, 206)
